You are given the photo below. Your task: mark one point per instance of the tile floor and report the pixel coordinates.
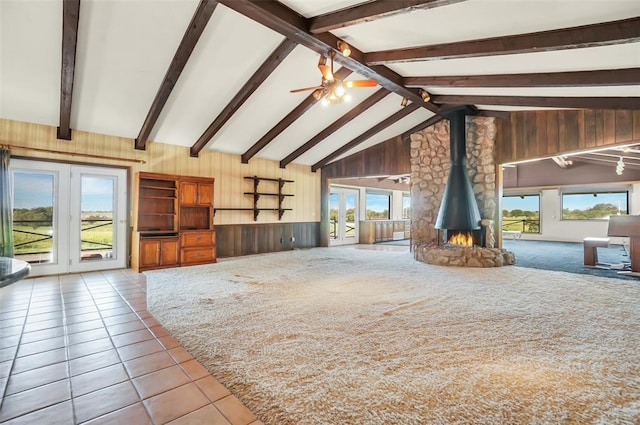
(83, 349)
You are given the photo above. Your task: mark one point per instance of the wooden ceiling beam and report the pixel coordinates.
(604, 77)
(335, 126)
(297, 112)
(183, 53)
(258, 77)
(287, 22)
(366, 135)
(601, 34)
(369, 12)
(631, 103)
(70, 19)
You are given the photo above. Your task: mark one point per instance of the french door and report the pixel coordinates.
(68, 218)
(343, 216)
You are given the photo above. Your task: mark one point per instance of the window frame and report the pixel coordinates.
(522, 195)
(388, 194)
(596, 191)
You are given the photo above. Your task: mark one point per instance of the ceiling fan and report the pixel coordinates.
(332, 90)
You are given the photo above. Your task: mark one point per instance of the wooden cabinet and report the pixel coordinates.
(158, 252)
(198, 247)
(196, 191)
(173, 221)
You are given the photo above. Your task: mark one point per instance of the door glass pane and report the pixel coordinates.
(33, 227)
(350, 216)
(334, 209)
(96, 224)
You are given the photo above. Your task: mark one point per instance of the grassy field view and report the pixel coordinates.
(37, 236)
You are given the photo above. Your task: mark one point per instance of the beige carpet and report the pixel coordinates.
(350, 336)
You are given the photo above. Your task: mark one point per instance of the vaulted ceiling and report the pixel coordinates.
(218, 75)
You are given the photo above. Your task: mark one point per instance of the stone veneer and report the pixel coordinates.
(429, 170)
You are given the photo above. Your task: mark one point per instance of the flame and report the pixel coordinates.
(461, 238)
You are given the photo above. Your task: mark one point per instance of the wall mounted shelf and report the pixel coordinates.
(256, 194)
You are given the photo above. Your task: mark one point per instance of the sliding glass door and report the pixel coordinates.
(68, 218)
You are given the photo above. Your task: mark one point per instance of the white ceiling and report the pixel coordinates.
(125, 48)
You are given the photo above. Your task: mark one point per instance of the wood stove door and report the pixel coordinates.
(343, 216)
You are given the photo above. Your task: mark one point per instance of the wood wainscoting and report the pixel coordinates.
(234, 240)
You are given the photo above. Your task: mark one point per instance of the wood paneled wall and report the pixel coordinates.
(227, 169)
(387, 158)
(235, 240)
(538, 134)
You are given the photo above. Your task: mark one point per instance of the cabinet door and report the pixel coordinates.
(149, 253)
(169, 252)
(188, 193)
(205, 194)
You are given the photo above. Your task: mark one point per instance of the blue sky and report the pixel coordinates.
(529, 203)
(36, 190)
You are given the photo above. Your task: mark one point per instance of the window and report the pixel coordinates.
(521, 213)
(594, 205)
(378, 205)
(406, 206)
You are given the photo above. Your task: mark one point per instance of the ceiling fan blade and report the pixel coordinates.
(360, 83)
(305, 89)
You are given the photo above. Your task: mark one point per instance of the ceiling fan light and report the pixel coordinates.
(339, 90)
(425, 95)
(344, 48)
(404, 102)
(317, 94)
(322, 61)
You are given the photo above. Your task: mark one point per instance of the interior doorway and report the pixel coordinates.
(343, 216)
(68, 218)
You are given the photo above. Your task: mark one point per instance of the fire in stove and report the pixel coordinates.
(461, 238)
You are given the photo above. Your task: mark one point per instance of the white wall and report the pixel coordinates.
(554, 229)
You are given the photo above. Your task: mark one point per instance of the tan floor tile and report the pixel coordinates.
(85, 317)
(8, 353)
(84, 326)
(139, 349)
(152, 322)
(194, 369)
(11, 341)
(122, 318)
(207, 415)
(169, 342)
(87, 336)
(135, 414)
(92, 362)
(147, 364)
(43, 334)
(258, 422)
(36, 377)
(125, 327)
(213, 389)
(44, 324)
(90, 347)
(98, 379)
(104, 401)
(115, 312)
(175, 403)
(159, 331)
(22, 364)
(32, 400)
(58, 414)
(41, 346)
(236, 412)
(160, 381)
(180, 354)
(5, 368)
(132, 337)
